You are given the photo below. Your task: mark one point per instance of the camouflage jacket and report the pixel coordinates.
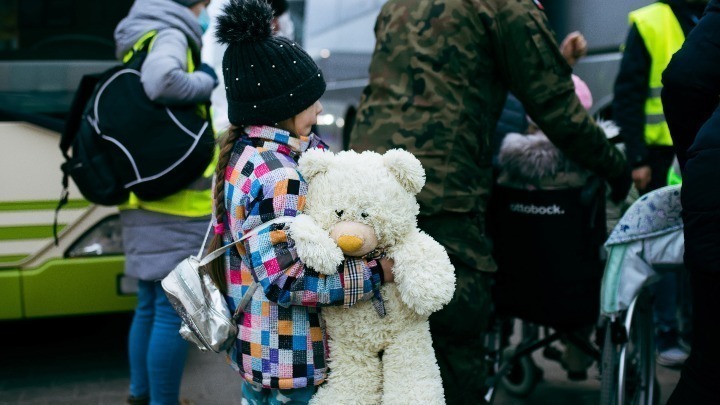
(439, 77)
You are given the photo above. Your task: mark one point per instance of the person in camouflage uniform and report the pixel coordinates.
(439, 77)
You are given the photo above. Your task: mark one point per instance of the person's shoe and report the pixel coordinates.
(144, 400)
(673, 357)
(575, 362)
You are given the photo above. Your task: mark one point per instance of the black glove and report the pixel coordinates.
(207, 69)
(620, 185)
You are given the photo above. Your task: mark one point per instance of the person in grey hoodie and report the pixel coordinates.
(159, 234)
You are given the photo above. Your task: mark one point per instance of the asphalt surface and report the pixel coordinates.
(83, 360)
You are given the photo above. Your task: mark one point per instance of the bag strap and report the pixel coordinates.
(217, 253)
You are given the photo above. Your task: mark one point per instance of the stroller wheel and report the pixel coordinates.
(523, 377)
(628, 369)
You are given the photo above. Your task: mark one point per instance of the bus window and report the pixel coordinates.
(46, 46)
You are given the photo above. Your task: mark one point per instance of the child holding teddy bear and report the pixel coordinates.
(272, 88)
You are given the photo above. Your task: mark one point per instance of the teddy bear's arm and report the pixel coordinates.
(423, 273)
(315, 248)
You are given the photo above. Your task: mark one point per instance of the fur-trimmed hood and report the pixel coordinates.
(532, 162)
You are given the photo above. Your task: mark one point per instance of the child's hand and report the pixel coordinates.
(387, 264)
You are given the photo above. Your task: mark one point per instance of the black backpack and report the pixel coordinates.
(123, 142)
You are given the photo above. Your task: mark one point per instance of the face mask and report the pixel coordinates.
(204, 20)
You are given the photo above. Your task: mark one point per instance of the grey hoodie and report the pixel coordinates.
(164, 73)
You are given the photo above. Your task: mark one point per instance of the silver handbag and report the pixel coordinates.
(207, 321)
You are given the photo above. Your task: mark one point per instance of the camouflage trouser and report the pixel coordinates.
(457, 328)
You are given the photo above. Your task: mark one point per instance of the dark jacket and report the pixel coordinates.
(691, 89)
(631, 85)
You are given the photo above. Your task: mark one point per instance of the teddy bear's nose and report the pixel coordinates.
(349, 243)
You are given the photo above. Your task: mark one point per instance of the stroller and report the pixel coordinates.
(647, 241)
(546, 218)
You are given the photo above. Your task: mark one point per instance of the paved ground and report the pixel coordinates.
(83, 361)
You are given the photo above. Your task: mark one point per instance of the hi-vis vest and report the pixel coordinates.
(196, 199)
(661, 32)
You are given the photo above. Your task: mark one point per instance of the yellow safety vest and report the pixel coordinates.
(196, 199)
(661, 32)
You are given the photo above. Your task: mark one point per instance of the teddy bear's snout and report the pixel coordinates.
(354, 238)
(349, 243)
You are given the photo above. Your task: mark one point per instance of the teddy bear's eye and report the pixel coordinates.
(339, 213)
(364, 215)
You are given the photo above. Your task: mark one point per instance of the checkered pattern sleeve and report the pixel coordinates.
(274, 188)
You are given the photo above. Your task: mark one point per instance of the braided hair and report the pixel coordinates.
(216, 268)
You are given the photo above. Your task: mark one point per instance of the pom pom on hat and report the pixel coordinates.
(244, 21)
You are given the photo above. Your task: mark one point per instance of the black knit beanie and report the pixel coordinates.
(267, 78)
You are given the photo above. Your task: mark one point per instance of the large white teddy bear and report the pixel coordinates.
(359, 203)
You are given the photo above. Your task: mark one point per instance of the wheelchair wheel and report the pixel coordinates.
(628, 369)
(523, 377)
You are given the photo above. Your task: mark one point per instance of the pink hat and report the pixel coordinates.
(583, 92)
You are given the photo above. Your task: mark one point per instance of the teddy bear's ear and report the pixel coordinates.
(313, 162)
(406, 168)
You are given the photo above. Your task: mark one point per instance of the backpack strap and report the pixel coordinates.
(218, 252)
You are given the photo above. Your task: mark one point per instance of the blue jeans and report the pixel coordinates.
(670, 311)
(666, 303)
(157, 351)
(257, 395)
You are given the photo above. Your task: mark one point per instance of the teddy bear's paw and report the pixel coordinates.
(314, 246)
(425, 277)
(423, 300)
(428, 303)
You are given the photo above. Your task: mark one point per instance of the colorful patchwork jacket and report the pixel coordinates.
(281, 341)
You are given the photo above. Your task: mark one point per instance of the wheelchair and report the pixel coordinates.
(547, 245)
(647, 242)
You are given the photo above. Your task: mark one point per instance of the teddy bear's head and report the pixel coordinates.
(364, 200)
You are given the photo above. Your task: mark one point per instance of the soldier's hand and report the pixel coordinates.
(573, 47)
(641, 177)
